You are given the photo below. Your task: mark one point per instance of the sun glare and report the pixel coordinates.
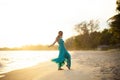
(28, 22)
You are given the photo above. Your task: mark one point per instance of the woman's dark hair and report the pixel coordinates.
(60, 32)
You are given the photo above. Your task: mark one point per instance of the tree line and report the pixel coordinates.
(89, 38)
(31, 47)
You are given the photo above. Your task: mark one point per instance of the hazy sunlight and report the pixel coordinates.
(27, 22)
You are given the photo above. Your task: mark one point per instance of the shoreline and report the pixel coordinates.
(86, 65)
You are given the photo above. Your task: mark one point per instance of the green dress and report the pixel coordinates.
(63, 56)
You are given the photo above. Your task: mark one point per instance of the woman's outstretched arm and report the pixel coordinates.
(53, 42)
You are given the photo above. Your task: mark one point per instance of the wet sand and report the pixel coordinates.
(86, 65)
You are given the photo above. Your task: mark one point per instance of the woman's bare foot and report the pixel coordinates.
(60, 69)
(68, 67)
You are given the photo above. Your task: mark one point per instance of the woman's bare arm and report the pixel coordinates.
(53, 42)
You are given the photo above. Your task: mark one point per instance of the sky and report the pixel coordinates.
(32, 22)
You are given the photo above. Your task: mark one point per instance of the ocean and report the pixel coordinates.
(13, 60)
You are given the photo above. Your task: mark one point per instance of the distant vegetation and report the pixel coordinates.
(31, 47)
(89, 38)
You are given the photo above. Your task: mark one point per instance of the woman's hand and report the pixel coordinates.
(49, 45)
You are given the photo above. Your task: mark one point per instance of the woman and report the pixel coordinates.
(63, 56)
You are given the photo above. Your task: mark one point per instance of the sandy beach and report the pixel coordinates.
(86, 65)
